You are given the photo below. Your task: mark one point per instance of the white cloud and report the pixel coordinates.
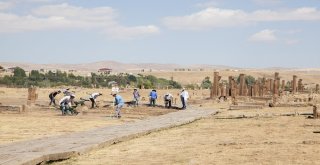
(216, 17)
(208, 18)
(65, 16)
(266, 35)
(271, 36)
(267, 2)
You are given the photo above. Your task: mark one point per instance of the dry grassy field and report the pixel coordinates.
(267, 139)
(256, 136)
(194, 77)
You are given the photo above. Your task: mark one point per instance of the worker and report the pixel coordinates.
(153, 97)
(52, 96)
(65, 103)
(118, 102)
(184, 95)
(168, 100)
(136, 96)
(93, 98)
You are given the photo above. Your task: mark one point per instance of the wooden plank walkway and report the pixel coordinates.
(63, 147)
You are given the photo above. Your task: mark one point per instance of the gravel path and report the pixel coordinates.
(63, 147)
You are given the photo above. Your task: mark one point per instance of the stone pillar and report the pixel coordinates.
(32, 95)
(233, 86)
(315, 112)
(276, 75)
(246, 90)
(283, 85)
(255, 89)
(242, 85)
(238, 89)
(258, 88)
(250, 91)
(300, 85)
(276, 88)
(277, 79)
(263, 87)
(271, 85)
(317, 88)
(215, 85)
(230, 87)
(267, 85)
(294, 84)
(223, 90)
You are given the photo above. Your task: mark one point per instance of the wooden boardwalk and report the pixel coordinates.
(63, 147)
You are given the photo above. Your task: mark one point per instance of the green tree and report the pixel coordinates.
(250, 80)
(175, 84)
(19, 73)
(36, 76)
(148, 84)
(206, 83)
(132, 78)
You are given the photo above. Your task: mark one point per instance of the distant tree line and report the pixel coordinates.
(59, 78)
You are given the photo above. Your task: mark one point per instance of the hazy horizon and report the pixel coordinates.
(181, 65)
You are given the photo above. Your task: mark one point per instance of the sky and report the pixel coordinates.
(246, 33)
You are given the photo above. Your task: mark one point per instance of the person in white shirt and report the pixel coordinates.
(184, 95)
(168, 100)
(65, 103)
(93, 98)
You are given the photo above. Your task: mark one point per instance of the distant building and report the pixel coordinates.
(105, 70)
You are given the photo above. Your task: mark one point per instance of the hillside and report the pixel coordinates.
(116, 66)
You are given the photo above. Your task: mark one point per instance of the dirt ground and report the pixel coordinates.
(266, 138)
(42, 121)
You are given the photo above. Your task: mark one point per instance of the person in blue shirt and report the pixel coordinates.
(153, 97)
(118, 102)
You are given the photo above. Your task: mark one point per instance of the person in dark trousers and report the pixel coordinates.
(153, 97)
(65, 104)
(52, 96)
(93, 98)
(184, 95)
(136, 96)
(168, 100)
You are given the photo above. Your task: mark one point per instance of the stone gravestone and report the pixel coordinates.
(32, 96)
